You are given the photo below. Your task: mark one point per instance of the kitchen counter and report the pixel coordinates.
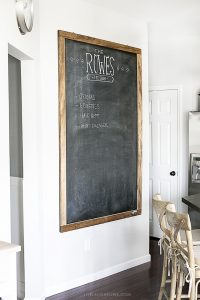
(193, 201)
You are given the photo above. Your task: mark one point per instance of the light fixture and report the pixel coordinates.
(24, 14)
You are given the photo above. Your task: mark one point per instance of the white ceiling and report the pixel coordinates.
(153, 10)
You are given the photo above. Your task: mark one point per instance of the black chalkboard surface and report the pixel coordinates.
(100, 131)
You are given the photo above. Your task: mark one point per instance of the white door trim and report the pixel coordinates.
(178, 88)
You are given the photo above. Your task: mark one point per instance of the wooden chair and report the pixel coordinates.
(160, 208)
(169, 257)
(187, 254)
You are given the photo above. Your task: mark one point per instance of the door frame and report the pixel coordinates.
(31, 167)
(178, 88)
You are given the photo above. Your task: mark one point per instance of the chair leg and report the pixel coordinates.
(193, 289)
(179, 286)
(196, 289)
(164, 277)
(173, 279)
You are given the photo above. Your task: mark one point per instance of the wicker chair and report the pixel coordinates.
(169, 257)
(165, 242)
(187, 254)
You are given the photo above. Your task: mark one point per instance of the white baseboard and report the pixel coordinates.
(53, 290)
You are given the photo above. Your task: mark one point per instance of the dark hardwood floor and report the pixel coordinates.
(139, 283)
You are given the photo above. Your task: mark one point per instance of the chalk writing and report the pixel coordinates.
(98, 51)
(94, 116)
(87, 97)
(102, 125)
(123, 68)
(99, 67)
(76, 60)
(92, 126)
(84, 105)
(102, 78)
(88, 115)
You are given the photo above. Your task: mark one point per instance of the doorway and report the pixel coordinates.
(164, 148)
(16, 166)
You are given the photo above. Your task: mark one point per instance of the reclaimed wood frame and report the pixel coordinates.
(62, 35)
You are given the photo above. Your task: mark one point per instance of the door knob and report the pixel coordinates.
(172, 173)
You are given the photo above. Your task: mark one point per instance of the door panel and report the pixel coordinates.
(163, 149)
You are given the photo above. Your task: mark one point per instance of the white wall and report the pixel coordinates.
(27, 46)
(113, 246)
(17, 229)
(174, 60)
(55, 262)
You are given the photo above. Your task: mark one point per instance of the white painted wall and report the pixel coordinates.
(174, 48)
(17, 229)
(28, 45)
(55, 262)
(113, 246)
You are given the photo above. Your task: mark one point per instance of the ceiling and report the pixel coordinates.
(153, 10)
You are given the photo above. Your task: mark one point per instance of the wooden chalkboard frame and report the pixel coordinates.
(62, 35)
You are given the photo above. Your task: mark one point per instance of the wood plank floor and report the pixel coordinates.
(139, 283)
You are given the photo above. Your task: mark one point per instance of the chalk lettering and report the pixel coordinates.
(92, 126)
(89, 105)
(88, 62)
(112, 71)
(85, 115)
(85, 126)
(88, 97)
(88, 115)
(98, 51)
(101, 125)
(101, 78)
(94, 116)
(100, 65)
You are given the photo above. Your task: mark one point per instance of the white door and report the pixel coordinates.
(163, 117)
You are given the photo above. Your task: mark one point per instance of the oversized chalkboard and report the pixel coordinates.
(100, 131)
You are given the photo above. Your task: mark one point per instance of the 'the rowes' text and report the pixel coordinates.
(100, 64)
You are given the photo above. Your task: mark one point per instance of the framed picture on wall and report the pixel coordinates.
(100, 129)
(195, 167)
